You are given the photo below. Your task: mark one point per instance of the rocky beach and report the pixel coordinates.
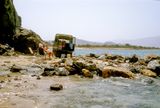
(30, 81)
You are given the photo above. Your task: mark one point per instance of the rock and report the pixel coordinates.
(113, 57)
(25, 39)
(148, 73)
(62, 71)
(102, 57)
(7, 61)
(133, 59)
(93, 69)
(49, 71)
(151, 57)
(92, 55)
(6, 50)
(131, 67)
(78, 66)
(68, 62)
(56, 87)
(154, 65)
(116, 72)
(2, 81)
(87, 73)
(17, 78)
(100, 64)
(135, 69)
(72, 70)
(15, 68)
(38, 77)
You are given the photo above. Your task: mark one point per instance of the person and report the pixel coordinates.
(41, 49)
(47, 52)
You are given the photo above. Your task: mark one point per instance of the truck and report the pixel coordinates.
(63, 45)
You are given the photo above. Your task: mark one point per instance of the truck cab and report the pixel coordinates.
(63, 44)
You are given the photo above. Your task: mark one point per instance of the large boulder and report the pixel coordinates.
(148, 73)
(9, 21)
(109, 71)
(25, 39)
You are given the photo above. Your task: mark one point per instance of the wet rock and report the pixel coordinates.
(15, 68)
(87, 73)
(133, 59)
(148, 73)
(56, 87)
(48, 71)
(154, 65)
(116, 72)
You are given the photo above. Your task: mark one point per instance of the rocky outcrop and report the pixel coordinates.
(9, 21)
(11, 32)
(25, 39)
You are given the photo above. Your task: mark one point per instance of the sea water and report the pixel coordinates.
(114, 92)
(124, 52)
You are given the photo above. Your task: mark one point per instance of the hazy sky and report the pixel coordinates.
(95, 20)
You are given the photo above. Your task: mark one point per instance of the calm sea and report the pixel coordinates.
(124, 52)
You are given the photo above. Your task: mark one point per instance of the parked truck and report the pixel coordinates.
(63, 44)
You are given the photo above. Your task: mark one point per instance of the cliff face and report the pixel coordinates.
(9, 21)
(12, 33)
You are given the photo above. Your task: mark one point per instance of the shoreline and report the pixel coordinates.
(117, 48)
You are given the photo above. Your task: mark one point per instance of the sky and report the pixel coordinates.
(93, 20)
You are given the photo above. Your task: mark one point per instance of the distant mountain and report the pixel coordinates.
(85, 42)
(147, 42)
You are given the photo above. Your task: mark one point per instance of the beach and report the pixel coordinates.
(25, 82)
